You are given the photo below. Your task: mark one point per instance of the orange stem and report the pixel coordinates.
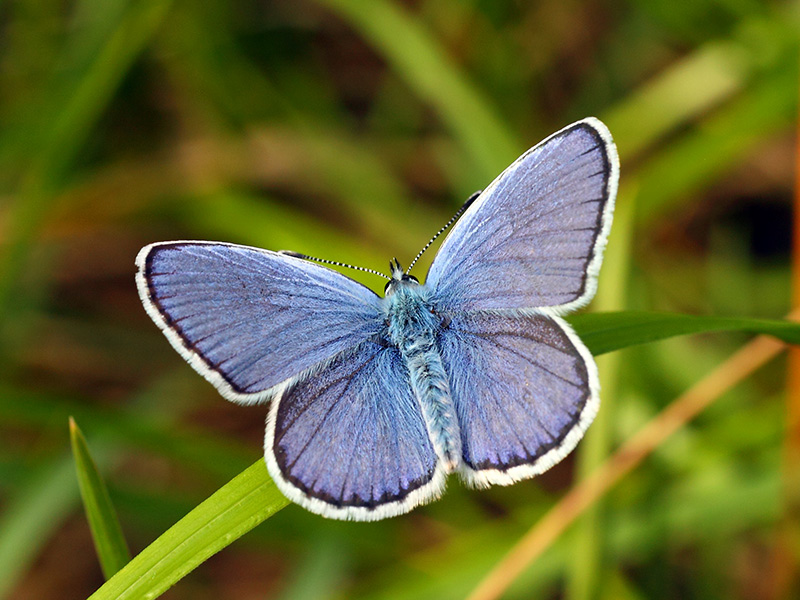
(785, 560)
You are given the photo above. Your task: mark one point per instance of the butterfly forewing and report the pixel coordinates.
(534, 238)
(249, 319)
(350, 442)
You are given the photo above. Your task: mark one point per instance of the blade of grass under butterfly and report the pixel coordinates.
(109, 541)
(606, 332)
(248, 499)
(586, 571)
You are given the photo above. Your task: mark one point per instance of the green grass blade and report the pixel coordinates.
(589, 554)
(248, 499)
(109, 541)
(606, 332)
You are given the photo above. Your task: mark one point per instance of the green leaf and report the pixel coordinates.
(606, 332)
(236, 508)
(109, 541)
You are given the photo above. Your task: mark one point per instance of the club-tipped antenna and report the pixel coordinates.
(452, 220)
(331, 262)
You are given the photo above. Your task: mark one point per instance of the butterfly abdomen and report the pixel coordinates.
(413, 327)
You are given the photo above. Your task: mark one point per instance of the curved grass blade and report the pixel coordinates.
(606, 332)
(109, 541)
(248, 499)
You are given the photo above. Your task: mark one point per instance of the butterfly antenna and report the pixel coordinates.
(331, 262)
(452, 220)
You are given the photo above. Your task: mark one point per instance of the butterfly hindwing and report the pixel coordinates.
(248, 319)
(524, 388)
(350, 441)
(535, 237)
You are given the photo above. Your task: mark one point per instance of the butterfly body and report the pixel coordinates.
(375, 400)
(413, 327)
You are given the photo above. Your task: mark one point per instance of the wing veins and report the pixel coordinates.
(454, 268)
(241, 262)
(490, 338)
(317, 429)
(535, 415)
(321, 392)
(349, 467)
(507, 420)
(509, 294)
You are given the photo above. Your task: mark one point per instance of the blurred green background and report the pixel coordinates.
(353, 129)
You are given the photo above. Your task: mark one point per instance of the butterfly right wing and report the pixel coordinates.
(535, 237)
(351, 441)
(249, 319)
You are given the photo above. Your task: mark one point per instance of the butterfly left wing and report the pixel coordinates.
(351, 441)
(249, 319)
(525, 389)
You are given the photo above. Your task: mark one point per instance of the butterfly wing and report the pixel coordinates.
(535, 236)
(524, 386)
(249, 319)
(351, 441)
(525, 389)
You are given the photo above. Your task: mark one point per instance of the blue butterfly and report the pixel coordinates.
(376, 400)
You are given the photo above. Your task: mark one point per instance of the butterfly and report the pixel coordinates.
(375, 400)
